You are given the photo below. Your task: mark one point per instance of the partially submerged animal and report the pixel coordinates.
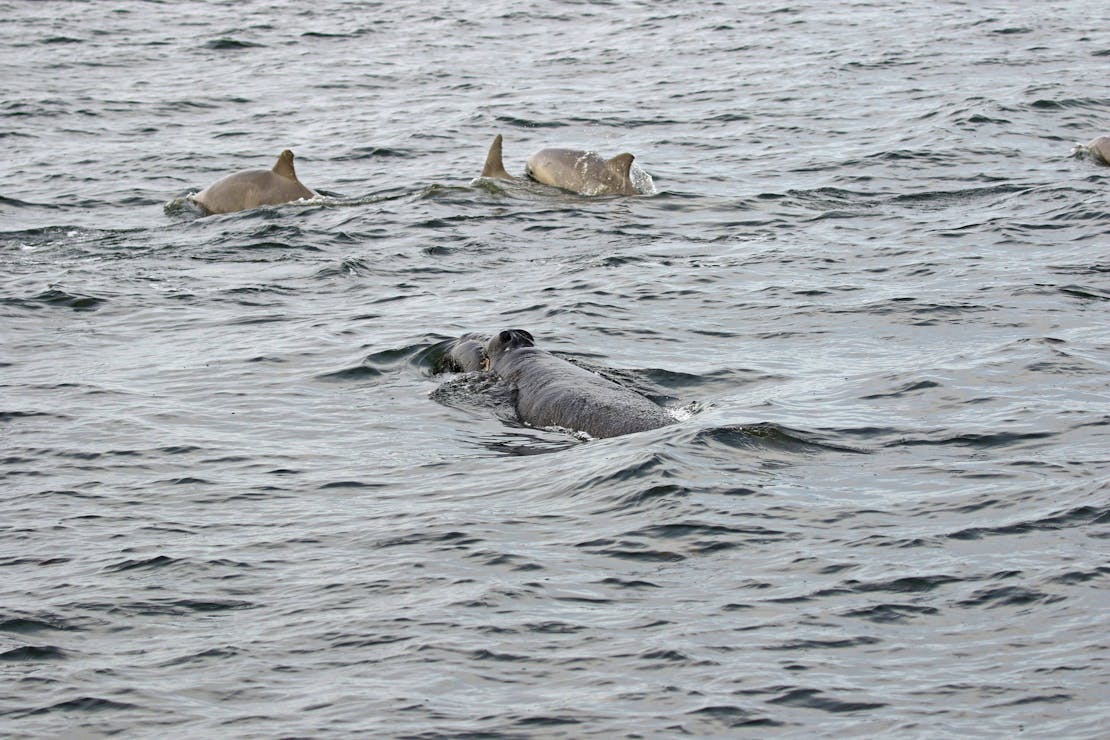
(466, 354)
(582, 172)
(252, 188)
(1098, 148)
(549, 391)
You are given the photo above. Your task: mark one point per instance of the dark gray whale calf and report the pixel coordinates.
(466, 354)
(252, 188)
(582, 172)
(549, 391)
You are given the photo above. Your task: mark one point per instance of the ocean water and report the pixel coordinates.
(238, 500)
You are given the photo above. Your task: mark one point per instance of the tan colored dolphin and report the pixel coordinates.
(252, 188)
(582, 172)
(1099, 149)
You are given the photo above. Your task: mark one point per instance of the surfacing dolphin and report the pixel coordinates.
(582, 172)
(252, 188)
(1098, 148)
(549, 391)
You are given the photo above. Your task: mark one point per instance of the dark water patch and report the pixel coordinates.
(1081, 291)
(815, 699)
(955, 197)
(1098, 104)
(157, 562)
(801, 645)
(976, 440)
(733, 717)
(84, 704)
(902, 585)
(1081, 516)
(904, 390)
(1077, 576)
(375, 152)
(349, 267)
(631, 550)
(554, 627)
(355, 374)
(543, 721)
(1039, 699)
(58, 298)
(457, 540)
(33, 624)
(634, 584)
(527, 445)
(210, 655)
(1008, 596)
(351, 485)
(768, 436)
(230, 44)
(169, 606)
(709, 537)
(32, 654)
(16, 203)
(325, 35)
(13, 415)
(526, 123)
(891, 613)
(831, 199)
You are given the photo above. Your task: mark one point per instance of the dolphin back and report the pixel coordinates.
(586, 173)
(241, 191)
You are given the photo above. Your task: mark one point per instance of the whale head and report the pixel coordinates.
(509, 339)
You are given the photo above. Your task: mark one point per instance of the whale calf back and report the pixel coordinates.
(252, 188)
(549, 391)
(582, 172)
(466, 354)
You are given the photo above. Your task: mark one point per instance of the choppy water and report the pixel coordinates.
(237, 500)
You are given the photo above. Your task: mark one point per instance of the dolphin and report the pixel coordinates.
(549, 391)
(1099, 149)
(582, 172)
(253, 188)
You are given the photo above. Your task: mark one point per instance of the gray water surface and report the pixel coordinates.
(873, 288)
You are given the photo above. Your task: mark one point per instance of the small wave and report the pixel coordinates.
(733, 717)
(814, 699)
(1081, 516)
(350, 374)
(1097, 104)
(976, 440)
(230, 44)
(1008, 596)
(83, 704)
(58, 298)
(32, 653)
(768, 436)
(526, 123)
(892, 613)
(1081, 291)
(31, 625)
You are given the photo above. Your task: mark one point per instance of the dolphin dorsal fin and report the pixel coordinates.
(284, 166)
(494, 166)
(621, 164)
